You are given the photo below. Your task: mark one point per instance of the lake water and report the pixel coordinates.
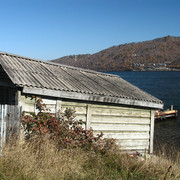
(166, 87)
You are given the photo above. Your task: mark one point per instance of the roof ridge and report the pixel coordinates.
(58, 64)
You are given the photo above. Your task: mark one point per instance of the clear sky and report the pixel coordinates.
(49, 29)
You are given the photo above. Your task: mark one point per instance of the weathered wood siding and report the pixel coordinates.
(130, 126)
(9, 122)
(80, 108)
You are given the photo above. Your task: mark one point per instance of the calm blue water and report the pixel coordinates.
(166, 87)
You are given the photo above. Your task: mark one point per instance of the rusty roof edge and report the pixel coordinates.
(60, 65)
(90, 97)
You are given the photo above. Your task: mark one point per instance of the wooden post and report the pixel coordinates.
(151, 133)
(2, 126)
(171, 107)
(88, 117)
(4, 133)
(18, 98)
(58, 107)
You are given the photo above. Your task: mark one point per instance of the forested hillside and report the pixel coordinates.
(158, 54)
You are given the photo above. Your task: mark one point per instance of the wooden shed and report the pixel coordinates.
(106, 102)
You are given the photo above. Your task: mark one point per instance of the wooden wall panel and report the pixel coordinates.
(120, 112)
(126, 135)
(119, 119)
(120, 127)
(79, 110)
(129, 126)
(132, 143)
(133, 149)
(28, 104)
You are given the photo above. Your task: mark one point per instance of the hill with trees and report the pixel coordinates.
(158, 54)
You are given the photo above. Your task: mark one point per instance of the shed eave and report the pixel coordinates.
(91, 97)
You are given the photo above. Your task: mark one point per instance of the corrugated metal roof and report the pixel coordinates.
(40, 74)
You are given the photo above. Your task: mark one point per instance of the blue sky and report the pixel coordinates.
(49, 29)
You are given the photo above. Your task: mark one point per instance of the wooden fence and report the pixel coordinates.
(9, 122)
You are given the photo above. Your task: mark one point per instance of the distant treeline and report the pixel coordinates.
(161, 52)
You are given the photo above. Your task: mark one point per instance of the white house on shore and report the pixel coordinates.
(106, 102)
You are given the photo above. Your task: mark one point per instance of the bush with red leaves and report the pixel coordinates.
(65, 130)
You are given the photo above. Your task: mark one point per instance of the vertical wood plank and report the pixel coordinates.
(2, 126)
(58, 107)
(5, 115)
(88, 117)
(18, 98)
(13, 120)
(151, 132)
(4, 136)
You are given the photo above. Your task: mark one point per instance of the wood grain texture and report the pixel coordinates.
(126, 135)
(120, 112)
(120, 127)
(119, 119)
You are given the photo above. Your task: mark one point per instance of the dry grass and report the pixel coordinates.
(41, 160)
(167, 151)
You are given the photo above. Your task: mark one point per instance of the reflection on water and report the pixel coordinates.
(165, 86)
